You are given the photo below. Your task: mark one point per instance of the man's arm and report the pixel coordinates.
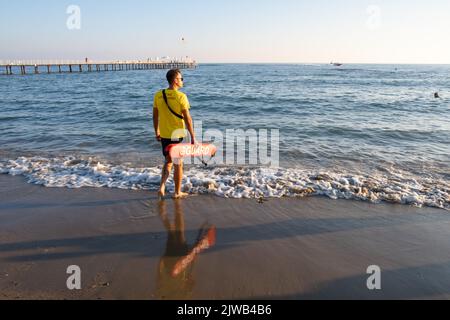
(190, 126)
(156, 123)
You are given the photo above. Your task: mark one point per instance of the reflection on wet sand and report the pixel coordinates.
(175, 273)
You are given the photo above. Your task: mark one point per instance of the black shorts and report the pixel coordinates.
(167, 142)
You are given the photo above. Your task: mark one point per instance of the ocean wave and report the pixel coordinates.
(18, 117)
(233, 182)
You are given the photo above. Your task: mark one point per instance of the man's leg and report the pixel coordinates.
(165, 175)
(178, 178)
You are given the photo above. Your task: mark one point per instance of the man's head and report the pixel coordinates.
(175, 78)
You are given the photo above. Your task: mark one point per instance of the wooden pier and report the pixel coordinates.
(31, 67)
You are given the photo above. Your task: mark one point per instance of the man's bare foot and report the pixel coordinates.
(180, 195)
(161, 195)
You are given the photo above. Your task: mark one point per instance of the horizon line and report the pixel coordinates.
(319, 63)
(267, 62)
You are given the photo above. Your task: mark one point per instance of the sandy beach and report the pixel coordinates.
(128, 244)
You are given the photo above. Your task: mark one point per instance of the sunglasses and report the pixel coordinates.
(182, 79)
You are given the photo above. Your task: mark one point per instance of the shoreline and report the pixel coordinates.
(244, 182)
(127, 243)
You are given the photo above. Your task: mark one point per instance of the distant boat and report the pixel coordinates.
(336, 64)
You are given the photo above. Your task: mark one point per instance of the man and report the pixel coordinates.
(169, 121)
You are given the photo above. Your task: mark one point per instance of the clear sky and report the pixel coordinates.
(377, 31)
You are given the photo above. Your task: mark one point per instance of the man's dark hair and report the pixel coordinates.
(172, 74)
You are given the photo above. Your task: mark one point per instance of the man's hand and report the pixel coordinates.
(158, 136)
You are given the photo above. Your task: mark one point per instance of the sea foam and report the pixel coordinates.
(237, 182)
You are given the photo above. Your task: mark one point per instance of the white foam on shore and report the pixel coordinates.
(233, 182)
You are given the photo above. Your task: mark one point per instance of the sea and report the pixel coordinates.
(371, 133)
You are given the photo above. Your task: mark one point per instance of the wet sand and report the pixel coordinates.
(127, 244)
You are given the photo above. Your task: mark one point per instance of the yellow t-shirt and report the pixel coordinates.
(168, 122)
